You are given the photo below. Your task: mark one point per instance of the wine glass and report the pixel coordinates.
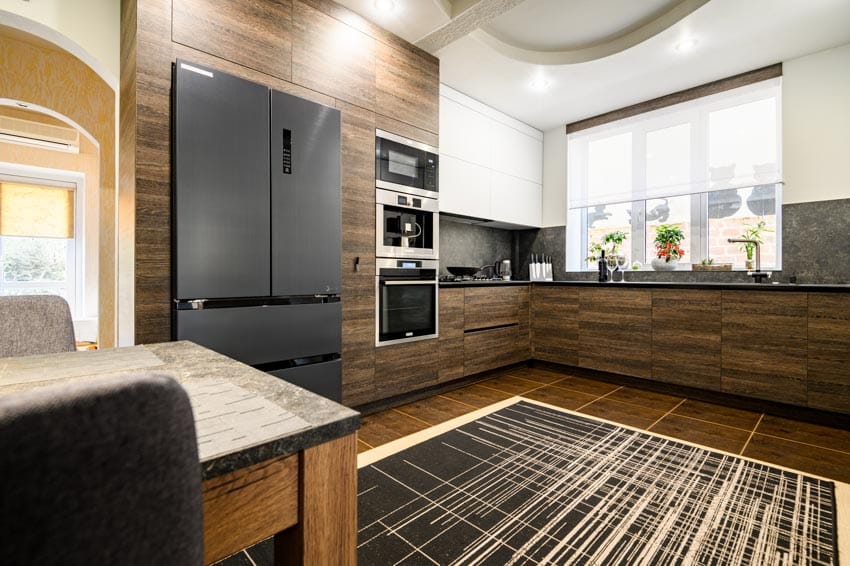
(620, 261)
(612, 265)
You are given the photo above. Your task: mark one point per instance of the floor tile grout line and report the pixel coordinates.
(598, 398)
(456, 401)
(708, 421)
(747, 443)
(845, 452)
(364, 442)
(662, 417)
(400, 412)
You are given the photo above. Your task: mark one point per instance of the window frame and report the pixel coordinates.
(61, 179)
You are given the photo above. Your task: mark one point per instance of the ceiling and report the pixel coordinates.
(600, 55)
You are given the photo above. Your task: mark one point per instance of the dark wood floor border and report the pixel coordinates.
(743, 79)
(795, 412)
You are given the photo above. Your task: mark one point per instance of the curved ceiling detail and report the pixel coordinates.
(593, 51)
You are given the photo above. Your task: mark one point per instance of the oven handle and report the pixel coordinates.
(415, 282)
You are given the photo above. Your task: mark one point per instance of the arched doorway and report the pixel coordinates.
(44, 86)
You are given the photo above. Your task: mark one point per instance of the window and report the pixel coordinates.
(41, 238)
(711, 167)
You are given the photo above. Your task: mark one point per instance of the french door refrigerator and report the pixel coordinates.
(256, 226)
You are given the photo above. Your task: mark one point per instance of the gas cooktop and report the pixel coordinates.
(463, 278)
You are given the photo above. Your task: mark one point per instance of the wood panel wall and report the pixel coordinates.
(315, 49)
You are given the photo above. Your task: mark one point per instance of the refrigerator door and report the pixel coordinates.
(265, 334)
(221, 185)
(323, 378)
(305, 201)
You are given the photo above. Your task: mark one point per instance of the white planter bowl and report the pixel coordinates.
(658, 264)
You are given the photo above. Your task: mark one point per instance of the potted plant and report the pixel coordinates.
(753, 233)
(708, 264)
(668, 250)
(610, 244)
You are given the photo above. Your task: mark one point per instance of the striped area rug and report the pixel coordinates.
(531, 484)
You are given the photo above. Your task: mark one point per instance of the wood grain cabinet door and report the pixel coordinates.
(484, 350)
(402, 368)
(828, 376)
(407, 84)
(451, 334)
(615, 330)
(486, 307)
(686, 335)
(764, 345)
(256, 34)
(554, 324)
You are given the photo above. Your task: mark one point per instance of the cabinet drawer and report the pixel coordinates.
(490, 349)
(324, 378)
(485, 307)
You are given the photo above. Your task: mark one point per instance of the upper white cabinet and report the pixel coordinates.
(491, 165)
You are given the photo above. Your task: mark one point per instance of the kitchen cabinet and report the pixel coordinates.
(615, 330)
(828, 371)
(407, 83)
(515, 200)
(491, 166)
(764, 345)
(496, 327)
(451, 334)
(402, 368)
(464, 187)
(554, 324)
(686, 336)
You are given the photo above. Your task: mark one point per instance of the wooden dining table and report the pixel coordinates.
(276, 460)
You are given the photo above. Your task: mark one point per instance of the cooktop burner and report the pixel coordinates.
(462, 278)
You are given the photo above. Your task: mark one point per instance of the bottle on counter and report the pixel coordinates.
(604, 274)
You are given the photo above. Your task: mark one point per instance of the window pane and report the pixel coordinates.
(675, 211)
(731, 213)
(609, 167)
(604, 219)
(668, 159)
(35, 259)
(743, 142)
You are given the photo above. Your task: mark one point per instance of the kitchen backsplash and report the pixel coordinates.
(471, 245)
(814, 248)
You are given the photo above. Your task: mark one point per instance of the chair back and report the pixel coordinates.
(35, 324)
(100, 471)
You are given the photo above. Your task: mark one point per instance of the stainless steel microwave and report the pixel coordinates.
(406, 165)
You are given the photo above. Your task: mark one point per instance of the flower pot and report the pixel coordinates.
(658, 264)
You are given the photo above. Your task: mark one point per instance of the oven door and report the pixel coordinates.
(405, 165)
(406, 310)
(406, 226)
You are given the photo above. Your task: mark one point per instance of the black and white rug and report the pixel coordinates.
(531, 484)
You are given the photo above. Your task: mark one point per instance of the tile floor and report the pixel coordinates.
(810, 448)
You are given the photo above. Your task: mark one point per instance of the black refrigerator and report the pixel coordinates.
(257, 226)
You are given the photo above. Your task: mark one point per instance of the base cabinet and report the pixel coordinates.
(484, 350)
(451, 334)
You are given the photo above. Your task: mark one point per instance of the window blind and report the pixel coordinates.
(728, 140)
(36, 211)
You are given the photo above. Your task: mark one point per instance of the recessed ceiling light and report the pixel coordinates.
(539, 83)
(385, 6)
(686, 45)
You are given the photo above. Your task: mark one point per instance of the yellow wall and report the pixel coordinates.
(35, 73)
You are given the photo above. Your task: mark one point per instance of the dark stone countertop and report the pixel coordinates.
(717, 286)
(190, 363)
(486, 283)
(801, 288)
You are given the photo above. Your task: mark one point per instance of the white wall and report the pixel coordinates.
(816, 126)
(95, 25)
(555, 177)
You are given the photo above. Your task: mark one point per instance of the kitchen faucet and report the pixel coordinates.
(758, 275)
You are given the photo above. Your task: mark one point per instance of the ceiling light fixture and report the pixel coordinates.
(539, 83)
(385, 6)
(686, 45)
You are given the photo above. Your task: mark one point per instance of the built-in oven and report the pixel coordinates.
(406, 225)
(405, 165)
(406, 300)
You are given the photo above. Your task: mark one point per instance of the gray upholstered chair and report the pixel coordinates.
(35, 324)
(102, 471)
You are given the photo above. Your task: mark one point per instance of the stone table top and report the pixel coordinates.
(291, 418)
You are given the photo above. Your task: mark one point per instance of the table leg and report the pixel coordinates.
(326, 532)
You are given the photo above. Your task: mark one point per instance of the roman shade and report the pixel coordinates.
(36, 210)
